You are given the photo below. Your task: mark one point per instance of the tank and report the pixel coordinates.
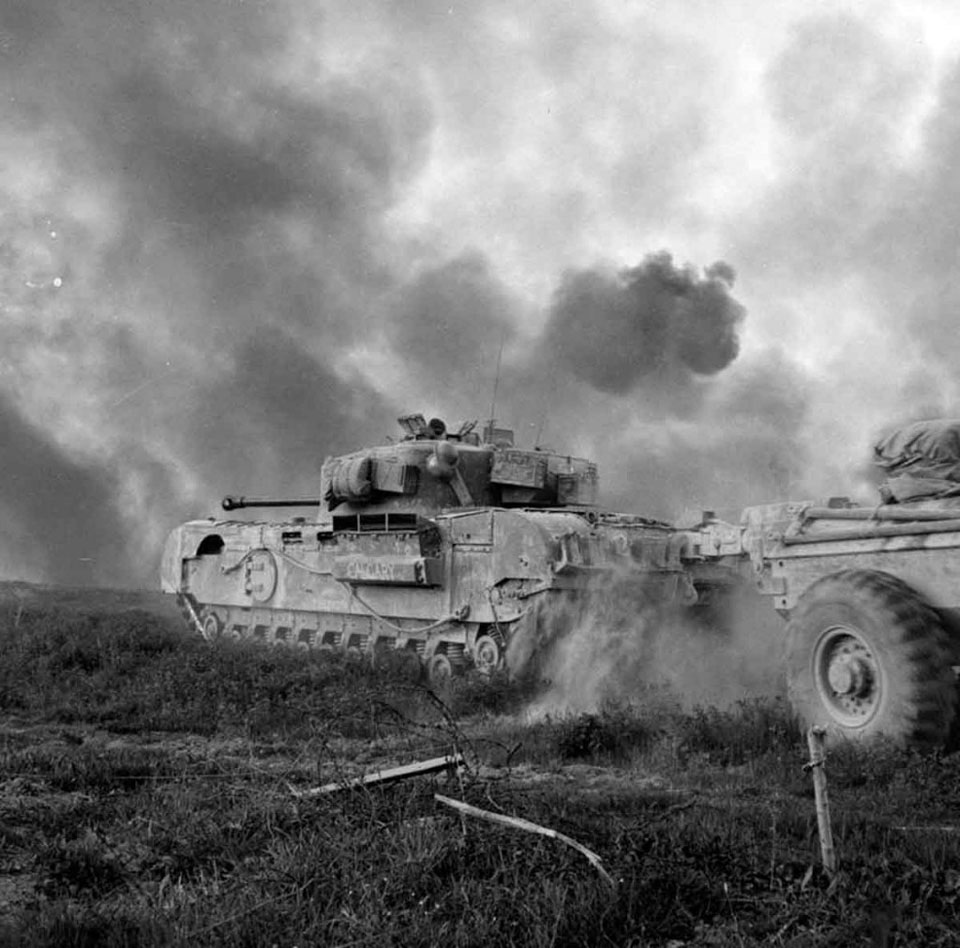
(452, 549)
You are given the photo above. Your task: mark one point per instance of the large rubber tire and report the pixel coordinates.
(867, 657)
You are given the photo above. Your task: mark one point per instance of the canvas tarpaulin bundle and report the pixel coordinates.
(921, 460)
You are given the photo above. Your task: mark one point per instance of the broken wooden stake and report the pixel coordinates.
(815, 741)
(381, 777)
(517, 823)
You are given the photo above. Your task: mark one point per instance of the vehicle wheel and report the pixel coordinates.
(868, 657)
(487, 654)
(212, 627)
(439, 670)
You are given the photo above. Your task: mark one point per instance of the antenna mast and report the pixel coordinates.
(496, 381)
(543, 419)
(546, 408)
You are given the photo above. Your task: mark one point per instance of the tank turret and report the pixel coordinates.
(432, 469)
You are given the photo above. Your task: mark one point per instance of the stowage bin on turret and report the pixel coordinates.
(448, 546)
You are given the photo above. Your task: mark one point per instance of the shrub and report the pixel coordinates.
(612, 732)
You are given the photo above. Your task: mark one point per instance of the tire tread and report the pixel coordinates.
(922, 638)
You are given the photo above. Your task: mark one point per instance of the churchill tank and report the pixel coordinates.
(451, 549)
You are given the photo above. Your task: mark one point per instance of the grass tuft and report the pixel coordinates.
(612, 733)
(731, 737)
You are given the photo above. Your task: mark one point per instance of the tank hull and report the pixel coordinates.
(453, 589)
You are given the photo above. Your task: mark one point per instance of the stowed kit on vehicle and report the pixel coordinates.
(450, 548)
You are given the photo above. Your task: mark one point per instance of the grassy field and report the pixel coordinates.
(146, 798)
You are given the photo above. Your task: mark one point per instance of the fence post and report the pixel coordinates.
(815, 742)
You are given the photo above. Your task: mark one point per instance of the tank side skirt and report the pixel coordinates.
(317, 629)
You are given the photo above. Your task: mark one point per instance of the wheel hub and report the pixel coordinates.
(847, 676)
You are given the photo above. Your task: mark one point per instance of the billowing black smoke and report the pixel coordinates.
(614, 329)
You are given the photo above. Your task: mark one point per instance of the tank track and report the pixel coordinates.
(441, 649)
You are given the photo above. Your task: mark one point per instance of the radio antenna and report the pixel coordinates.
(496, 380)
(543, 419)
(546, 408)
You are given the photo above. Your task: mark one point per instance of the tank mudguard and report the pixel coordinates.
(181, 544)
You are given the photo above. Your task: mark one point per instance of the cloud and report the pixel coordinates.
(852, 243)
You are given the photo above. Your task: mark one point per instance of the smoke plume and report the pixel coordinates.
(613, 330)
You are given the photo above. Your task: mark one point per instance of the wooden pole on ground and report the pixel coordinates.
(815, 741)
(381, 777)
(517, 822)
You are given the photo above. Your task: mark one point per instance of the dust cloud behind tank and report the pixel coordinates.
(450, 547)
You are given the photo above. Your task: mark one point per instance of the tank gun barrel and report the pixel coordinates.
(238, 503)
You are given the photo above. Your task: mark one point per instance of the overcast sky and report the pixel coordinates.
(715, 242)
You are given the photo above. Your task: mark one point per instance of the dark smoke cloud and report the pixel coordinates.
(278, 395)
(449, 323)
(747, 444)
(613, 330)
(58, 515)
(644, 340)
(198, 249)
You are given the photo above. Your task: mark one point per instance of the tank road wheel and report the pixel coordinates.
(355, 654)
(439, 670)
(487, 654)
(211, 628)
(408, 665)
(868, 657)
